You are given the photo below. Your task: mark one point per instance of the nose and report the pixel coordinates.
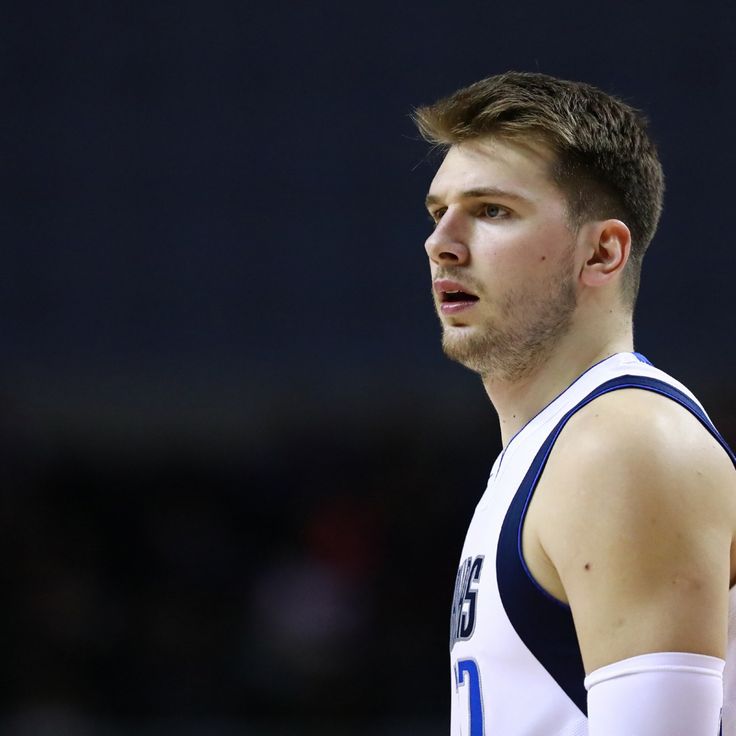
(448, 243)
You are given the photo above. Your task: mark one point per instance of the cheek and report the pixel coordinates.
(533, 270)
(530, 256)
(551, 248)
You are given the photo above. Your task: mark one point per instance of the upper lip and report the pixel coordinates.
(443, 286)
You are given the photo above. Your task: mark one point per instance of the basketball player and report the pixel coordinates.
(596, 580)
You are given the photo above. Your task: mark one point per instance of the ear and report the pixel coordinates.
(608, 244)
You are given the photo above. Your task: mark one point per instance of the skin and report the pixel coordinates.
(634, 519)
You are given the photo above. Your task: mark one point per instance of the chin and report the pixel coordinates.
(460, 337)
(464, 344)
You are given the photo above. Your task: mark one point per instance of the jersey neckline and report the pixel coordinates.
(536, 419)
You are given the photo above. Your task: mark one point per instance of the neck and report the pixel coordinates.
(518, 401)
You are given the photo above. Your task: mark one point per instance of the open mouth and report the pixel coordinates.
(458, 296)
(452, 297)
(454, 301)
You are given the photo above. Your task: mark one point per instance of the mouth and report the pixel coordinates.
(453, 297)
(452, 302)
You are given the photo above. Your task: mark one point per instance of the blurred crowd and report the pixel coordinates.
(306, 578)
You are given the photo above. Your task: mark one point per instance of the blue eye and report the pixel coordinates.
(493, 210)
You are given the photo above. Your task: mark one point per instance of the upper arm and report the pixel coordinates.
(638, 524)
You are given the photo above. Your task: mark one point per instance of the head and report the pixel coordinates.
(579, 164)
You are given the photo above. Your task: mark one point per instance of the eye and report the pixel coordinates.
(494, 211)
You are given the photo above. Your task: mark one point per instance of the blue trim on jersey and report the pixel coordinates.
(643, 359)
(543, 623)
(587, 370)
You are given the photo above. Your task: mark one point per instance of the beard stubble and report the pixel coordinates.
(523, 333)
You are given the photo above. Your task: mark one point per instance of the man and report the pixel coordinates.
(595, 583)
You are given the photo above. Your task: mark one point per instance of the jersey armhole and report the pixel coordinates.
(543, 622)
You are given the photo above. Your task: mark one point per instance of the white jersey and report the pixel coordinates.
(516, 665)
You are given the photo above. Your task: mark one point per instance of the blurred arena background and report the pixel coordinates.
(236, 468)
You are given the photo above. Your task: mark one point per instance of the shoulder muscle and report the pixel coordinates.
(639, 508)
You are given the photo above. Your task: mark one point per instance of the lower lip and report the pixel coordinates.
(455, 307)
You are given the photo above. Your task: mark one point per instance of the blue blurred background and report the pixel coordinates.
(236, 468)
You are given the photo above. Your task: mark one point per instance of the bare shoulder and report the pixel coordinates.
(638, 503)
(652, 449)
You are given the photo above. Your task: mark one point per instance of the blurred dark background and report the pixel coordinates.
(236, 468)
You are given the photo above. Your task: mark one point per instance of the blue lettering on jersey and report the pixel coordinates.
(464, 599)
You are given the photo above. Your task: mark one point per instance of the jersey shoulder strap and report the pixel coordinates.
(543, 623)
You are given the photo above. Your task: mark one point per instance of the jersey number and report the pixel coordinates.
(469, 667)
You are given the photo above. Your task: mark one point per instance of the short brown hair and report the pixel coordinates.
(606, 164)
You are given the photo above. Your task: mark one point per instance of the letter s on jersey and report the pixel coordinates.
(464, 599)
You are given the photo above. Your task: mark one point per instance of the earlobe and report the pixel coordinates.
(609, 248)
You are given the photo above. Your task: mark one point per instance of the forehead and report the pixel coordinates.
(520, 168)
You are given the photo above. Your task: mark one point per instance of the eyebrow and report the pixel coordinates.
(475, 193)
